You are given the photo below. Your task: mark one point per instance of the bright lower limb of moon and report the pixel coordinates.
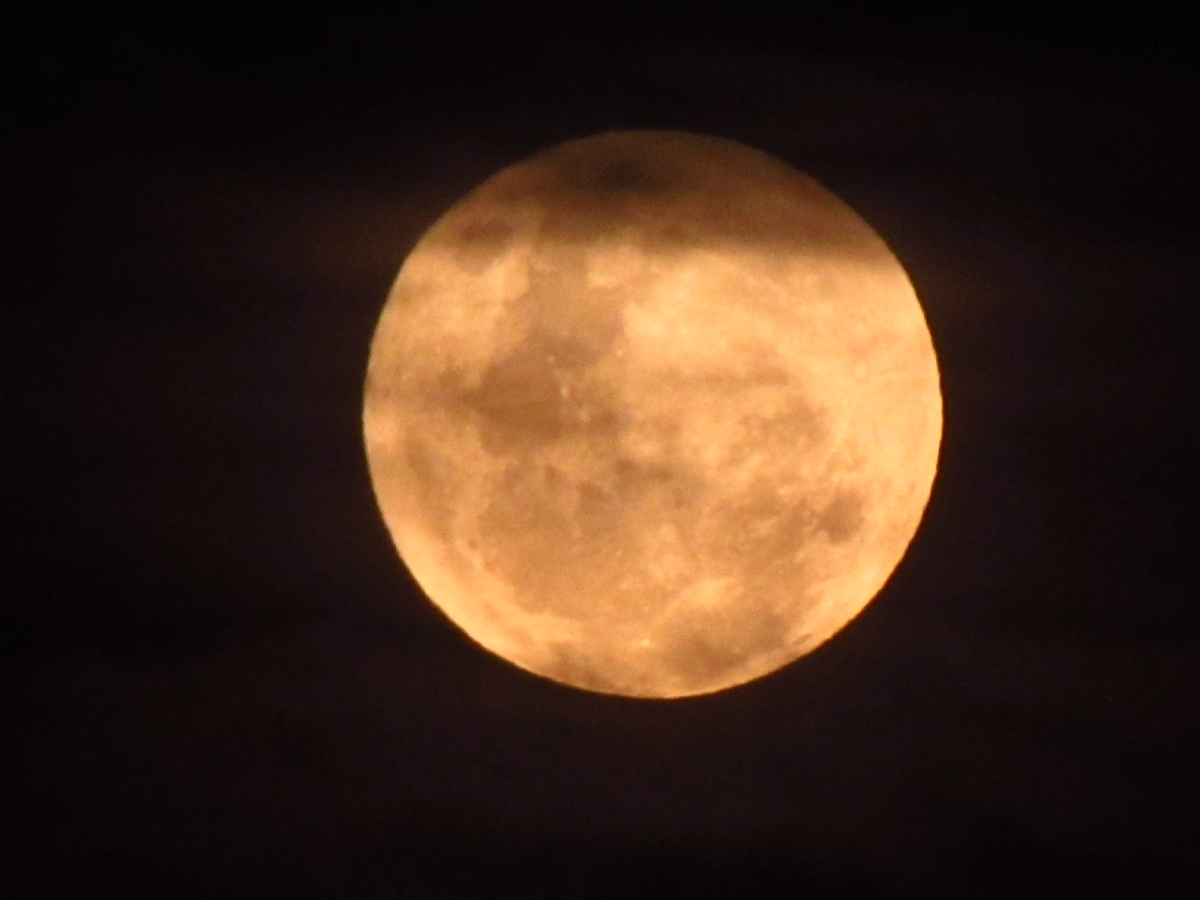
(652, 414)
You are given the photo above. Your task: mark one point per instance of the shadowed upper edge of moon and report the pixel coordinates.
(587, 189)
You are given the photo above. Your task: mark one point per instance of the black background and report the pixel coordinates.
(218, 679)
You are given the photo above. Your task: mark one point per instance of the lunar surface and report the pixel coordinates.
(652, 414)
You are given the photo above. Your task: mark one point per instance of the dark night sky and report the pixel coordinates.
(217, 679)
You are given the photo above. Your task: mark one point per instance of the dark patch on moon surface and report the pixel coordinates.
(615, 171)
(435, 496)
(843, 517)
(628, 175)
(526, 401)
(520, 401)
(540, 389)
(589, 670)
(799, 426)
(480, 243)
(718, 642)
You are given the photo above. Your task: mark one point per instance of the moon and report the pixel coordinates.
(651, 413)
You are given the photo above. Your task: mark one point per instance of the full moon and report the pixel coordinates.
(651, 413)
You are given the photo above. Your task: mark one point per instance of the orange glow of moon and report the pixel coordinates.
(652, 414)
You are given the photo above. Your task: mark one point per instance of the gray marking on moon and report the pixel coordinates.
(480, 243)
(526, 402)
(800, 427)
(433, 492)
(540, 390)
(712, 647)
(614, 170)
(521, 402)
(566, 664)
(843, 517)
(627, 176)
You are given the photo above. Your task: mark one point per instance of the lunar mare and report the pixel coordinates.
(651, 414)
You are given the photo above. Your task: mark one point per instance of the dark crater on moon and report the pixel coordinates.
(541, 388)
(480, 243)
(843, 517)
(627, 176)
(528, 400)
(616, 170)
